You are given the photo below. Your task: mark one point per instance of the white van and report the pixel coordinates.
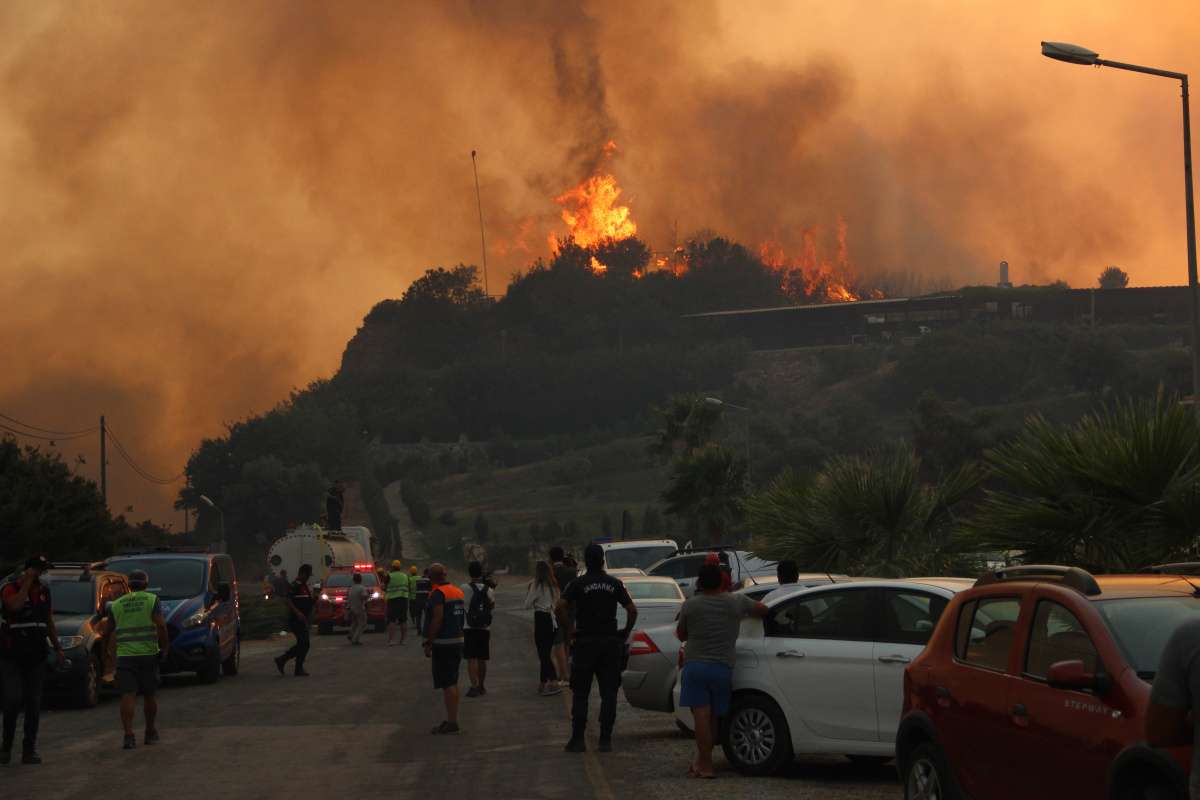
(637, 553)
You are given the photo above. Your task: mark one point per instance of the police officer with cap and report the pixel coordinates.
(28, 625)
(136, 618)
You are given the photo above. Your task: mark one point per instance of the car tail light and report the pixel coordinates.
(641, 644)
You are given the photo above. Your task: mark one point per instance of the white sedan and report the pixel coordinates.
(824, 671)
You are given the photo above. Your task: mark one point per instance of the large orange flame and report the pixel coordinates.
(809, 277)
(593, 213)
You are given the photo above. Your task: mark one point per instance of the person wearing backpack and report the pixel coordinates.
(477, 634)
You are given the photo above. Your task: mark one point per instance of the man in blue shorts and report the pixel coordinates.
(709, 623)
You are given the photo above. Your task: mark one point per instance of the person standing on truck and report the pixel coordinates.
(421, 587)
(300, 607)
(28, 624)
(481, 599)
(335, 504)
(397, 603)
(137, 623)
(444, 642)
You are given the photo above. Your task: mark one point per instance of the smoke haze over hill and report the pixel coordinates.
(202, 200)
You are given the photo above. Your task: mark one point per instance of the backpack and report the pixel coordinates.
(479, 615)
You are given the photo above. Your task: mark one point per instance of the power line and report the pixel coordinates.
(63, 434)
(52, 439)
(142, 473)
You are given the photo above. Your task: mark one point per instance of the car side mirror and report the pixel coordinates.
(224, 593)
(1073, 675)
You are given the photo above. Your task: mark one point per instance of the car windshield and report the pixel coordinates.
(654, 590)
(340, 580)
(1142, 625)
(639, 557)
(170, 578)
(72, 596)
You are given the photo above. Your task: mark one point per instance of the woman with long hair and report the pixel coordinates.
(541, 596)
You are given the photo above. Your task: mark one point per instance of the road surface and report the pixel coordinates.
(360, 725)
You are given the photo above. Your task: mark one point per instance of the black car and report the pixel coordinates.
(79, 596)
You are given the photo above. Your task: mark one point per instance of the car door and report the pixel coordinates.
(907, 621)
(226, 612)
(1049, 721)
(971, 716)
(821, 660)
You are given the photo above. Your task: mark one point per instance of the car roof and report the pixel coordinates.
(1110, 587)
(161, 555)
(947, 585)
(73, 574)
(626, 543)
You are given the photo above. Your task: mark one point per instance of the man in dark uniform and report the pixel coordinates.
(28, 623)
(588, 610)
(300, 605)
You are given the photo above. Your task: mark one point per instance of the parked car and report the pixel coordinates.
(331, 606)
(636, 553)
(684, 566)
(653, 655)
(824, 671)
(78, 595)
(1036, 684)
(657, 599)
(199, 597)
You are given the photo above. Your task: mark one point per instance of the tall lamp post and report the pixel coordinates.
(717, 402)
(1074, 54)
(220, 515)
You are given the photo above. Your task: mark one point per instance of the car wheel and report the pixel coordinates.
(87, 693)
(324, 628)
(230, 665)
(755, 736)
(926, 776)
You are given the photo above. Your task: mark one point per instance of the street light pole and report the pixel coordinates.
(220, 517)
(1074, 54)
(717, 402)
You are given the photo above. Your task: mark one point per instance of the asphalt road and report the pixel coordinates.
(361, 722)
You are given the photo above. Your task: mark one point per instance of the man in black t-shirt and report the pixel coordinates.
(300, 605)
(588, 612)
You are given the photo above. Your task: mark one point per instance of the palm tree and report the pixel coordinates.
(864, 515)
(706, 489)
(1118, 490)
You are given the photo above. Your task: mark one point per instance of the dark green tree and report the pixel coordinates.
(481, 528)
(652, 525)
(1113, 278)
(705, 489)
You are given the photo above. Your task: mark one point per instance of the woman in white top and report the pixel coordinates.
(541, 596)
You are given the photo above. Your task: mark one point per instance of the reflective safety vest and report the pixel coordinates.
(137, 635)
(454, 614)
(397, 585)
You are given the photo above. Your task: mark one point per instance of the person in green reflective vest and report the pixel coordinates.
(140, 631)
(397, 603)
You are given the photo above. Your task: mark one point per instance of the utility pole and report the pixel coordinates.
(479, 205)
(103, 463)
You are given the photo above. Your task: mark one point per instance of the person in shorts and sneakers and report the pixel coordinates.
(709, 623)
(444, 642)
(480, 600)
(136, 620)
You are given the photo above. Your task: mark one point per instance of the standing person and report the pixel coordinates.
(1173, 716)
(280, 584)
(357, 600)
(588, 608)
(709, 623)
(300, 606)
(542, 595)
(563, 575)
(787, 571)
(136, 619)
(416, 608)
(397, 603)
(481, 600)
(335, 504)
(28, 624)
(444, 642)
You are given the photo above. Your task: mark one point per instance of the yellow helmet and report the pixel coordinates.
(396, 564)
(412, 570)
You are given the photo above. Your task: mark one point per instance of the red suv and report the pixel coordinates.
(331, 607)
(1035, 684)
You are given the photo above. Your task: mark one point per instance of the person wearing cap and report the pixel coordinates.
(588, 611)
(397, 603)
(28, 624)
(136, 621)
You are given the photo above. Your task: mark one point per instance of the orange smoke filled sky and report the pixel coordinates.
(202, 200)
